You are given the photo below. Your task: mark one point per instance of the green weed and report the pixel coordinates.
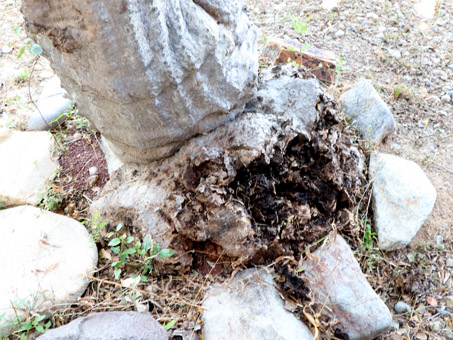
(139, 255)
(300, 26)
(24, 327)
(22, 77)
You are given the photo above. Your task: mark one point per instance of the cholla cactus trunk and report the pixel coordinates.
(149, 74)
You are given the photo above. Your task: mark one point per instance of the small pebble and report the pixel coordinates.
(339, 33)
(92, 180)
(436, 326)
(421, 336)
(39, 68)
(93, 171)
(449, 334)
(396, 146)
(6, 49)
(450, 262)
(445, 98)
(402, 307)
(439, 240)
(394, 53)
(76, 136)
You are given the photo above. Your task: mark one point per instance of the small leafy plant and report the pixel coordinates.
(300, 26)
(139, 255)
(369, 237)
(25, 326)
(22, 77)
(96, 225)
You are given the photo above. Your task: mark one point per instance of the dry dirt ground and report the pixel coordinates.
(405, 49)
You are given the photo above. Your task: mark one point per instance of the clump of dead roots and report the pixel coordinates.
(280, 203)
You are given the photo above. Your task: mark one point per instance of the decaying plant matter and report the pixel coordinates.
(254, 190)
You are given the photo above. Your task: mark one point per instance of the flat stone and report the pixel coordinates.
(363, 105)
(44, 261)
(281, 51)
(52, 103)
(249, 307)
(26, 164)
(403, 198)
(337, 281)
(108, 326)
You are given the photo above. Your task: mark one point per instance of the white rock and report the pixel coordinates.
(51, 104)
(26, 164)
(337, 281)
(445, 98)
(368, 111)
(93, 171)
(403, 198)
(402, 307)
(6, 49)
(44, 260)
(394, 53)
(249, 307)
(339, 33)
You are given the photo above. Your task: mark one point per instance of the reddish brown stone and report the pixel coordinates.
(321, 63)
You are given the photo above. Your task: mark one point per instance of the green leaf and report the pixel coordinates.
(116, 250)
(22, 50)
(411, 257)
(119, 226)
(129, 239)
(129, 251)
(117, 273)
(36, 49)
(169, 325)
(143, 279)
(40, 329)
(114, 242)
(165, 253)
(39, 318)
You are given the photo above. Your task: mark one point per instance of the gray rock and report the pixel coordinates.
(108, 326)
(167, 70)
(337, 281)
(402, 307)
(291, 98)
(26, 164)
(51, 104)
(249, 307)
(368, 111)
(45, 257)
(403, 198)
